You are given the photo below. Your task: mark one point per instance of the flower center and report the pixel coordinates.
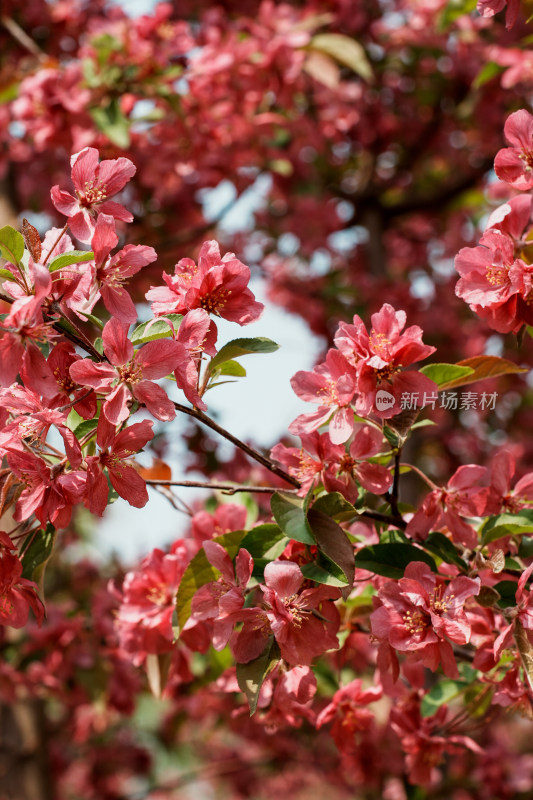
(415, 621)
(130, 373)
(93, 192)
(214, 301)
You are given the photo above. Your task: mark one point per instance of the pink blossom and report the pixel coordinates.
(130, 374)
(300, 633)
(349, 714)
(420, 613)
(222, 600)
(109, 274)
(94, 184)
(227, 517)
(514, 164)
(331, 386)
(198, 334)
(148, 601)
(487, 8)
(217, 284)
(17, 594)
(380, 357)
(465, 496)
(115, 450)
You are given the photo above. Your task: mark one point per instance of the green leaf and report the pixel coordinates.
(453, 10)
(324, 570)
(391, 559)
(333, 542)
(11, 244)
(37, 549)
(251, 676)
(242, 347)
(445, 374)
(113, 123)
(438, 695)
(155, 329)
(438, 544)
(288, 511)
(265, 543)
(5, 273)
(230, 368)
(507, 525)
(335, 506)
(487, 73)
(72, 257)
(200, 571)
(345, 50)
(507, 592)
(85, 427)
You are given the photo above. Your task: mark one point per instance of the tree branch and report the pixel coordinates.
(266, 462)
(225, 488)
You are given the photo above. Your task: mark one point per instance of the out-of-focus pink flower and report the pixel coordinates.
(94, 184)
(349, 714)
(148, 602)
(17, 594)
(487, 8)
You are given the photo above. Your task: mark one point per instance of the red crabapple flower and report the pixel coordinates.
(227, 517)
(130, 374)
(514, 164)
(487, 8)
(108, 274)
(115, 449)
(319, 458)
(198, 334)
(380, 357)
(222, 600)
(331, 386)
(425, 740)
(420, 613)
(349, 715)
(308, 463)
(217, 284)
(496, 285)
(148, 602)
(522, 614)
(465, 495)
(94, 184)
(17, 594)
(300, 633)
(502, 498)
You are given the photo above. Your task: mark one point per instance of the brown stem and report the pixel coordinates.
(225, 488)
(55, 244)
(266, 462)
(397, 522)
(22, 38)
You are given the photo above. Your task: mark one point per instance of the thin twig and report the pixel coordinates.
(22, 38)
(225, 488)
(266, 462)
(64, 230)
(393, 495)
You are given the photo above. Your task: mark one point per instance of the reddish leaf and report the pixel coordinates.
(159, 471)
(32, 239)
(484, 367)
